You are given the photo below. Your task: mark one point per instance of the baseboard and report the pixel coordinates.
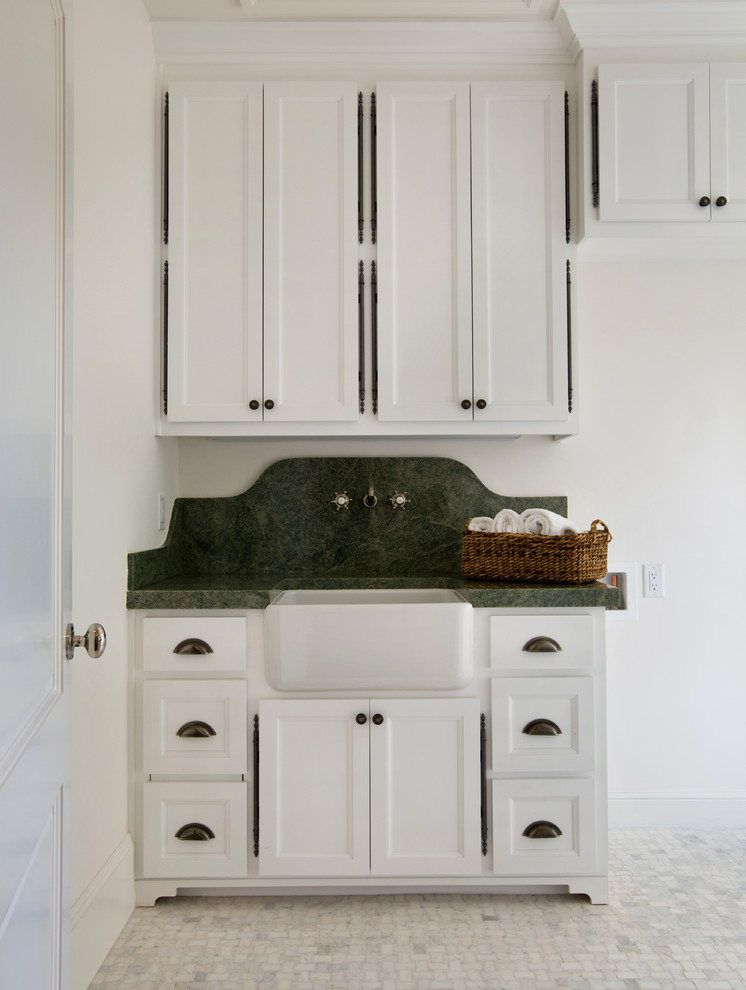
(100, 913)
(677, 810)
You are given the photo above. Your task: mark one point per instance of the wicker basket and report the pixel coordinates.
(571, 559)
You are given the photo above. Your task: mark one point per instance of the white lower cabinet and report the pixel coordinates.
(381, 787)
(502, 784)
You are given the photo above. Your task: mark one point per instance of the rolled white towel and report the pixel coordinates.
(482, 524)
(508, 521)
(542, 522)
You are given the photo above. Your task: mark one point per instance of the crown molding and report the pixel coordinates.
(664, 24)
(310, 10)
(236, 42)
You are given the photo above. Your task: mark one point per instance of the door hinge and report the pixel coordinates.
(256, 785)
(594, 143)
(569, 338)
(567, 167)
(165, 338)
(483, 768)
(165, 170)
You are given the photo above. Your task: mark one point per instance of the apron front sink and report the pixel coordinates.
(361, 640)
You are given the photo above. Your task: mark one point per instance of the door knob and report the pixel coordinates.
(93, 639)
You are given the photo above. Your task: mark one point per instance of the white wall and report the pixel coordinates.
(118, 466)
(661, 459)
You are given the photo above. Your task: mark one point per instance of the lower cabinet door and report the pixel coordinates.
(544, 826)
(194, 829)
(313, 788)
(425, 787)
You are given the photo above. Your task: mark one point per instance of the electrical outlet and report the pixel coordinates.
(161, 512)
(652, 585)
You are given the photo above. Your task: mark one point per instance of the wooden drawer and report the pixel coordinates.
(191, 644)
(215, 811)
(511, 637)
(543, 724)
(194, 727)
(561, 814)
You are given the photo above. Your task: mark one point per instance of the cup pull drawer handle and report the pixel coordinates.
(542, 644)
(542, 727)
(195, 729)
(542, 830)
(192, 647)
(195, 832)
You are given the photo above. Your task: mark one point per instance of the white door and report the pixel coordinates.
(313, 783)
(728, 141)
(518, 218)
(34, 567)
(215, 252)
(424, 787)
(424, 252)
(310, 252)
(654, 142)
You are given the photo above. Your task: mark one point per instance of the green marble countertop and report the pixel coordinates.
(286, 532)
(237, 591)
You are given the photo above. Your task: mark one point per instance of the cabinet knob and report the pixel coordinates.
(269, 404)
(542, 727)
(254, 404)
(481, 403)
(704, 201)
(377, 719)
(721, 201)
(466, 404)
(192, 647)
(542, 644)
(542, 830)
(361, 718)
(195, 730)
(195, 832)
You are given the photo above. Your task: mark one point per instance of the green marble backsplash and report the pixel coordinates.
(287, 523)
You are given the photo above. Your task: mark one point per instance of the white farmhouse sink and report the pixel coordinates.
(369, 640)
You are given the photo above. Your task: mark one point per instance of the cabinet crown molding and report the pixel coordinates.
(666, 24)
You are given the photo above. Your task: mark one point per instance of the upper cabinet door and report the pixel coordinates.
(215, 252)
(310, 252)
(424, 252)
(728, 140)
(518, 217)
(654, 142)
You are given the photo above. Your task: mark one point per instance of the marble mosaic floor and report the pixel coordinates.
(676, 920)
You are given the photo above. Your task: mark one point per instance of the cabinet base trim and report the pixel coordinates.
(149, 891)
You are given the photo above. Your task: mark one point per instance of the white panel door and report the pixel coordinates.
(215, 252)
(424, 252)
(34, 566)
(424, 785)
(518, 210)
(728, 140)
(654, 142)
(310, 252)
(313, 784)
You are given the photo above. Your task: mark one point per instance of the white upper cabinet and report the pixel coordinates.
(519, 251)
(424, 252)
(672, 142)
(336, 273)
(262, 252)
(214, 251)
(310, 251)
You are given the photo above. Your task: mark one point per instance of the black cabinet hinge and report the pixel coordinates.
(483, 768)
(594, 143)
(165, 170)
(256, 785)
(569, 338)
(165, 338)
(567, 167)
